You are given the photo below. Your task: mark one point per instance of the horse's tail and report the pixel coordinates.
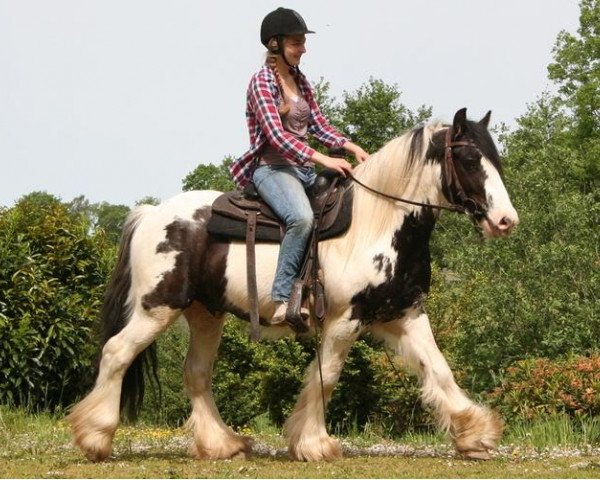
(115, 314)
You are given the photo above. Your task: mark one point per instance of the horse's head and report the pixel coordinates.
(472, 174)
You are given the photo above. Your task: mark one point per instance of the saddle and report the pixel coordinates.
(243, 215)
(230, 211)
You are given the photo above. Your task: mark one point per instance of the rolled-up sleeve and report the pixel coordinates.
(318, 126)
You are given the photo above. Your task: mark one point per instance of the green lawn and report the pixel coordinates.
(39, 446)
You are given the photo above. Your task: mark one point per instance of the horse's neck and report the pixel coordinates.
(375, 217)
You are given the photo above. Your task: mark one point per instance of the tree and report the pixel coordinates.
(210, 177)
(373, 115)
(576, 70)
(536, 294)
(148, 200)
(111, 219)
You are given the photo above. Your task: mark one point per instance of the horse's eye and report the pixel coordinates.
(471, 164)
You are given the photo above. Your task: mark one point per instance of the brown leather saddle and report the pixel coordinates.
(230, 211)
(243, 215)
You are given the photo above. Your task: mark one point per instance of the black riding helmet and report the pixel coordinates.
(281, 22)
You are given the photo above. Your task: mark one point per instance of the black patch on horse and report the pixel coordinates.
(199, 270)
(408, 283)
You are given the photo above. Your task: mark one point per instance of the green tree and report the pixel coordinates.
(148, 200)
(52, 275)
(210, 177)
(576, 70)
(111, 219)
(537, 293)
(373, 115)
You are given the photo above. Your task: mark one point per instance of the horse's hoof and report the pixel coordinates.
(477, 455)
(234, 447)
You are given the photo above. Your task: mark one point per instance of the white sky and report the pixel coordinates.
(121, 99)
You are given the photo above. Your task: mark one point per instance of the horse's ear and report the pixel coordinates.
(485, 121)
(460, 121)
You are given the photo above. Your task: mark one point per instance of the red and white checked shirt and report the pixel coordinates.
(264, 125)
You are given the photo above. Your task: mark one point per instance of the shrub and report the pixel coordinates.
(52, 274)
(540, 387)
(251, 380)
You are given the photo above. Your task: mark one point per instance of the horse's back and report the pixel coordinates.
(164, 230)
(184, 207)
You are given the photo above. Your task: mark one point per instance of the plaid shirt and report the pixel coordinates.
(264, 125)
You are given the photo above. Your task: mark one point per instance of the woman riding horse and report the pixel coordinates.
(376, 277)
(281, 111)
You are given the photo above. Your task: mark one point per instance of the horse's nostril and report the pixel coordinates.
(506, 223)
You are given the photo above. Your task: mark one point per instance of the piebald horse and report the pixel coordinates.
(376, 277)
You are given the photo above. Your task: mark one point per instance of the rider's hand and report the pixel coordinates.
(340, 165)
(357, 151)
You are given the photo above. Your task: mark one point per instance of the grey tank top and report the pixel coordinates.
(294, 122)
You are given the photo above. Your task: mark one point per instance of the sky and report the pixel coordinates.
(120, 99)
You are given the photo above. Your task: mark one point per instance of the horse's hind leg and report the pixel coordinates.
(95, 419)
(305, 429)
(212, 438)
(474, 429)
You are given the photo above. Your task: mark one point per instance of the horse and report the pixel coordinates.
(376, 277)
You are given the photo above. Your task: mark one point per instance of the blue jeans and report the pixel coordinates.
(284, 187)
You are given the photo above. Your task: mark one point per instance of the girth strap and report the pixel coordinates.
(251, 275)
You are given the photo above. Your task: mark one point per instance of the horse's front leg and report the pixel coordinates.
(305, 429)
(474, 429)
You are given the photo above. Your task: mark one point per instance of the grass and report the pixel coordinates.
(39, 446)
(558, 431)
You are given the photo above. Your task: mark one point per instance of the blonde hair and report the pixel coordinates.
(271, 62)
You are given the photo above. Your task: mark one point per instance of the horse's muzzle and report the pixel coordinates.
(499, 224)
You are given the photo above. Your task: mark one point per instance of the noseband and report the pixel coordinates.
(460, 202)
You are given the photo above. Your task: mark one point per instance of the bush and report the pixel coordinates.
(52, 275)
(251, 380)
(536, 293)
(540, 387)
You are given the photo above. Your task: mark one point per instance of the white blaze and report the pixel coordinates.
(500, 206)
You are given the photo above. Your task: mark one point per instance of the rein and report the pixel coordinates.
(453, 208)
(467, 205)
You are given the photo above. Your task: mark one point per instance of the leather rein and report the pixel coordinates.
(464, 203)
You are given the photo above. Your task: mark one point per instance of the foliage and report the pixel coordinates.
(370, 116)
(374, 115)
(576, 70)
(111, 219)
(541, 387)
(252, 379)
(210, 177)
(147, 200)
(535, 294)
(52, 274)
(104, 215)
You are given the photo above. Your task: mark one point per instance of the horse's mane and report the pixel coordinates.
(398, 168)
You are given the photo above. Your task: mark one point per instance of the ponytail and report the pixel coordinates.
(274, 49)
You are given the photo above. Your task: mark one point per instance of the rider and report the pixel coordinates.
(280, 111)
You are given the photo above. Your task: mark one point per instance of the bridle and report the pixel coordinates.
(459, 202)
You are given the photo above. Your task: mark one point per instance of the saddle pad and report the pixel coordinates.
(226, 223)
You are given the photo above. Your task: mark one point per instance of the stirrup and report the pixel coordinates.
(296, 320)
(297, 315)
